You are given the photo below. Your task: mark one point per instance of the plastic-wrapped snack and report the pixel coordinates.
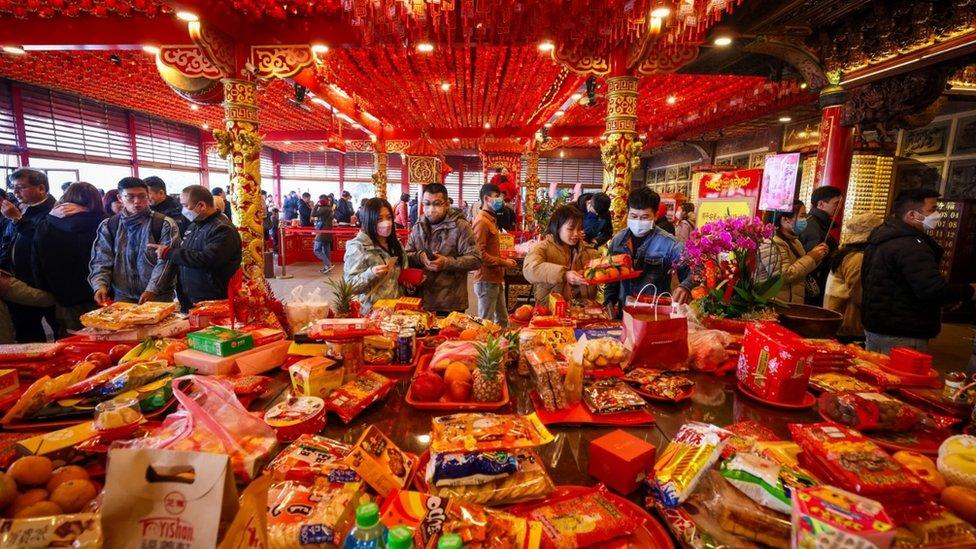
(81, 531)
(833, 382)
(739, 515)
(607, 396)
(470, 432)
(694, 449)
(302, 516)
(310, 456)
(381, 464)
(764, 481)
(548, 383)
(872, 412)
(529, 481)
(472, 468)
(350, 399)
(944, 531)
(583, 520)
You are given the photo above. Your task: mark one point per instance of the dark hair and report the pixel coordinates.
(306, 195)
(362, 203)
(112, 195)
(563, 214)
(824, 194)
(582, 200)
(65, 185)
(687, 207)
(371, 216)
(323, 196)
(776, 218)
(601, 204)
(433, 188)
(344, 194)
(911, 199)
(405, 197)
(34, 178)
(155, 183)
(487, 189)
(217, 191)
(644, 199)
(263, 192)
(198, 193)
(503, 179)
(83, 194)
(132, 183)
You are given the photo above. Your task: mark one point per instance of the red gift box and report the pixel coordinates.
(774, 363)
(620, 460)
(909, 361)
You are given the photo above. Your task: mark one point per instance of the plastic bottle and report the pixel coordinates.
(573, 384)
(450, 541)
(369, 532)
(400, 537)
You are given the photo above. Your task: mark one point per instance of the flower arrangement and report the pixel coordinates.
(543, 208)
(722, 256)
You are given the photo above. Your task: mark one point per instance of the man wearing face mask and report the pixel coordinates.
(903, 291)
(442, 243)
(210, 253)
(812, 230)
(654, 253)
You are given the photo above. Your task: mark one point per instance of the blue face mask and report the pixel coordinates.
(799, 225)
(498, 204)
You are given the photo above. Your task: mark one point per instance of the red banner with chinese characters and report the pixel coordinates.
(738, 183)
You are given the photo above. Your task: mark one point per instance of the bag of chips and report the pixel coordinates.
(584, 520)
(303, 516)
(527, 480)
(310, 456)
(470, 432)
(694, 449)
(872, 412)
(608, 396)
(350, 399)
(764, 481)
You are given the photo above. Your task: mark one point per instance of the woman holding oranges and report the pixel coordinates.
(556, 264)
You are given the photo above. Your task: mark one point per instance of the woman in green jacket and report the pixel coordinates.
(374, 258)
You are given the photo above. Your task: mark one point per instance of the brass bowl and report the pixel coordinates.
(811, 322)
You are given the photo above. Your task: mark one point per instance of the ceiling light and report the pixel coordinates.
(603, 138)
(425, 47)
(347, 140)
(661, 12)
(559, 113)
(445, 86)
(187, 16)
(548, 124)
(671, 100)
(321, 148)
(546, 46)
(785, 119)
(589, 141)
(151, 50)
(320, 48)
(287, 142)
(562, 154)
(722, 41)
(14, 50)
(487, 126)
(205, 126)
(803, 86)
(643, 136)
(456, 139)
(576, 96)
(194, 107)
(565, 138)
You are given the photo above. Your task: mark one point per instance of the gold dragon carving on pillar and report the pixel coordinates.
(620, 151)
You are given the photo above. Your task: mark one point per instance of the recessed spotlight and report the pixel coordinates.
(803, 86)
(548, 124)
(487, 126)
(456, 139)
(320, 48)
(287, 142)
(565, 138)
(559, 113)
(425, 47)
(205, 126)
(589, 141)
(661, 12)
(194, 107)
(562, 154)
(187, 16)
(151, 50)
(445, 86)
(722, 41)
(546, 46)
(13, 50)
(576, 96)
(785, 119)
(671, 100)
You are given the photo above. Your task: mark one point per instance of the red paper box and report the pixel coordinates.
(909, 361)
(620, 460)
(774, 363)
(558, 305)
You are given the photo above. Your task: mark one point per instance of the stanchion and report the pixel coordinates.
(281, 252)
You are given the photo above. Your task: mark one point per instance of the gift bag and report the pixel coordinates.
(156, 498)
(304, 308)
(656, 334)
(211, 419)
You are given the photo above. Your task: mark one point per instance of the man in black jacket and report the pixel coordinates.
(210, 253)
(16, 246)
(826, 203)
(344, 209)
(902, 289)
(165, 204)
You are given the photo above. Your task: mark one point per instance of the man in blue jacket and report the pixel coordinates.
(655, 253)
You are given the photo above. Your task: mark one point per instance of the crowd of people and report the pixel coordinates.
(63, 258)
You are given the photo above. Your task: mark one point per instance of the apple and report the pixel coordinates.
(116, 353)
(541, 310)
(523, 313)
(427, 387)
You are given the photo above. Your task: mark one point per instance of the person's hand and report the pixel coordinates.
(819, 252)
(159, 248)
(10, 210)
(510, 263)
(101, 297)
(681, 295)
(436, 264)
(146, 296)
(381, 270)
(575, 278)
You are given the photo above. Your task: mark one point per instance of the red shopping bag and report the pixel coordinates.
(657, 338)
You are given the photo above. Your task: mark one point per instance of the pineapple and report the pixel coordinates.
(342, 291)
(488, 379)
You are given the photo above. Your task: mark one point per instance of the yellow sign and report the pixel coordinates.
(713, 210)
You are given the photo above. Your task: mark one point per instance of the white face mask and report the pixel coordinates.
(384, 228)
(931, 221)
(640, 227)
(189, 214)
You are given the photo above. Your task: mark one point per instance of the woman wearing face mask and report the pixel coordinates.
(555, 264)
(685, 217)
(783, 255)
(374, 258)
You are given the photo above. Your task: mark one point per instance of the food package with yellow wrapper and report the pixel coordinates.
(694, 449)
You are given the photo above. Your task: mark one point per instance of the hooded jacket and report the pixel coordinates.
(783, 255)
(62, 251)
(125, 264)
(453, 238)
(546, 265)
(171, 208)
(16, 245)
(903, 290)
(361, 256)
(207, 258)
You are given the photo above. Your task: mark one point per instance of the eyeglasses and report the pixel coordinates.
(17, 188)
(431, 205)
(134, 197)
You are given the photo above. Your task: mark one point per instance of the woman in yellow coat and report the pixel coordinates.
(843, 292)
(783, 255)
(556, 264)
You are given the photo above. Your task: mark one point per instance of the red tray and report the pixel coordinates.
(631, 276)
(399, 368)
(577, 414)
(923, 441)
(453, 406)
(650, 534)
(656, 398)
(808, 399)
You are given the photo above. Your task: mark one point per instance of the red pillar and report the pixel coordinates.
(17, 106)
(342, 172)
(204, 161)
(404, 175)
(276, 174)
(133, 149)
(836, 149)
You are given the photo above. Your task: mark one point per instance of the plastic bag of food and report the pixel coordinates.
(351, 398)
(706, 349)
(470, 432)
(584, 520)
(608, 396)
(310, 456)
(764, 481)
(872, 412)
(465, 352)
(302, 516)
(80, 531)
(469, 468)
(527, 480)
(694, 449)
(944, 531)
(739, 515)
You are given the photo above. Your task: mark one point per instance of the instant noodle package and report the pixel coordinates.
(470, 432)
